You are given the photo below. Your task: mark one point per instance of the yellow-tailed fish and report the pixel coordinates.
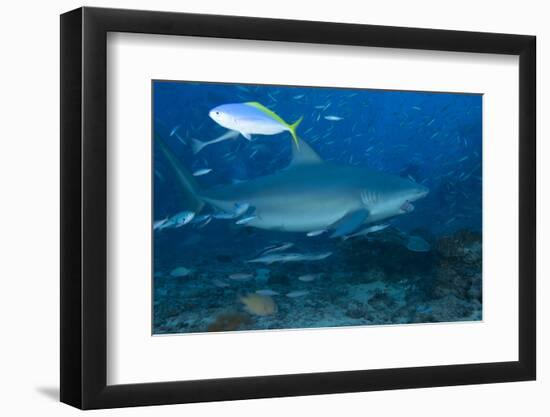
(252, 118)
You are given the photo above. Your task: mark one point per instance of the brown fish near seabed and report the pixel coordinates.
(260, 305)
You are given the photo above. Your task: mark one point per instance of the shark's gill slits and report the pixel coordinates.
(365, 197)
(369, 197)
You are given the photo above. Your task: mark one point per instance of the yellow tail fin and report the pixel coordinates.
(292, 130)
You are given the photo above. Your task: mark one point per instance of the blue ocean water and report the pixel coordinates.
(421, 266)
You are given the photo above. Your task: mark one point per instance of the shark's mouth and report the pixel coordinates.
(406, 207)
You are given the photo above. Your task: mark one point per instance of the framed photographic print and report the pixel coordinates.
(257, 208)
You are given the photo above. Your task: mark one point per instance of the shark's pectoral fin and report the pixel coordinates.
(247, 136)
(350, 223)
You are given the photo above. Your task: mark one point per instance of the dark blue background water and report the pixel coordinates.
(433, 138)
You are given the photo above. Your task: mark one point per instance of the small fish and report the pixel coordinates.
(289, 257)
(245, 220)
(267, 292)
(180, 139)
(240, 276)
(197, 145)
(220, 284)
(364, 232)
(157, 224)
(463, 159)
(416, 108)
(202, 171)
(260, 305)
(180, 271)
(308, 277)
(174, 130)
(332, 118)
(182, 218)
(252, 118)
(296, 294)
(299, 96)
(316, 233)
(238, 210)
(323, 107)
(417, 244)
(202, 218)
(208, 220)
(177, 220)
(277, 248)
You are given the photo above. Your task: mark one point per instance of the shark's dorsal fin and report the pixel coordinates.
(303, 154)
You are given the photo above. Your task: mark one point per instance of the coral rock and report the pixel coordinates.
(226, 322)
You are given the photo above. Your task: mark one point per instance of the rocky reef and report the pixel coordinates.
(230, 321)
(366, 281)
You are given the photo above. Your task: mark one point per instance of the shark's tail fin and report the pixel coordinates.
(187, 184)
(197, 145)
(292, 128)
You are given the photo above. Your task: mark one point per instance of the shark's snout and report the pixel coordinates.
(422, 191)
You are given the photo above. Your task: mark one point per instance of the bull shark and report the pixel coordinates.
(309, 194)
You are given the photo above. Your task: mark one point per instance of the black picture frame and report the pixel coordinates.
(84, 207)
